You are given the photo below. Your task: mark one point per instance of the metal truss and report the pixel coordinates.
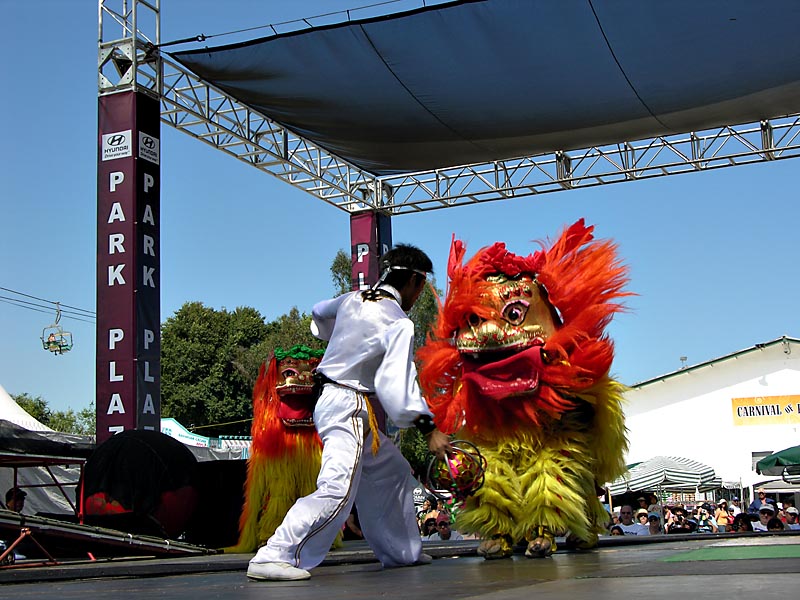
(770, 139)
(197, 108)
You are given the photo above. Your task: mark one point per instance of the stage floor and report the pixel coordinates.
(714, 567)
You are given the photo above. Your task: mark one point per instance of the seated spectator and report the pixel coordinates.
(722, 515)
(669, 517)
(705, 522)
(787, 504)
(627, 524)
(742, 523)
(444, 531)
(765, 513)
(759, 502)
(654, 523)
(792, 518)
(428, 528)
(642, 518)
(15, 499)
(775, 524)
(654, 506)
(681, 524)
(735, 506)
(428, 506)
(616, 530)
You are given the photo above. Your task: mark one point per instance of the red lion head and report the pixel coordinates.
(520, 339)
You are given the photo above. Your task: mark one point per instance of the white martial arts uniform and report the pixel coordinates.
(370, 350)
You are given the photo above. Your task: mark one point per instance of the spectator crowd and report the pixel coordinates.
(651, 518)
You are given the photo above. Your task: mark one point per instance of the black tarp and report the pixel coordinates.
(16, 439)
(141, 481)
(476, 81)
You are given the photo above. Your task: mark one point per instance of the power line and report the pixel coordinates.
(68, 311)
(90, 312)
(34, 308)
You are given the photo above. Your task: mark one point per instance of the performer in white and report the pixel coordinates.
(370, 351)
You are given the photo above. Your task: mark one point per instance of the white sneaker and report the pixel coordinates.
(276, 571)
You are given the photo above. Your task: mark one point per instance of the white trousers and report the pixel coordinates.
(379, 485)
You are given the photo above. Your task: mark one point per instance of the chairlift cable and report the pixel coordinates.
(89, 312)
(67, 314)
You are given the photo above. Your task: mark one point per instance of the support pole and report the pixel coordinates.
(370, 238)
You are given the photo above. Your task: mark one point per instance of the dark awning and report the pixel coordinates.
(476, 81)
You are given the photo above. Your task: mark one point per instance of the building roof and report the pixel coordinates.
(787, 341)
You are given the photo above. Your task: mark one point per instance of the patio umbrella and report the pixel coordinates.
(667, 473)
(785, 463)
(775, 462)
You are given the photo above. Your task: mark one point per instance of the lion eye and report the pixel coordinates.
(514, 312)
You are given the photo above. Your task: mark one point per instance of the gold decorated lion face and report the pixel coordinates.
(526, 318)
(294, 388)
(294, 376)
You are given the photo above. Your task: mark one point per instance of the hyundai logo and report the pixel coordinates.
(148, 142)
(116, 140)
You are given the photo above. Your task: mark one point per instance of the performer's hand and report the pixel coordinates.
(438, 443)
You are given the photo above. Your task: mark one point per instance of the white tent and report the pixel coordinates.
(43, 496)
(13, 412)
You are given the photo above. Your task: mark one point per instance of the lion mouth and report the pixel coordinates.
(504, 374)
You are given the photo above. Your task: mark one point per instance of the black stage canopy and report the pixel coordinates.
(476, 81)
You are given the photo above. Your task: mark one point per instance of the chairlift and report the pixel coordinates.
(54, 338)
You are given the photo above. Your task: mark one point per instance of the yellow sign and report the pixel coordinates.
(766, 410)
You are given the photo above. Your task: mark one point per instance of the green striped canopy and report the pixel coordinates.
(666, 473)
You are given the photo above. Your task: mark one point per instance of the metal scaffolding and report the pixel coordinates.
(129, 58)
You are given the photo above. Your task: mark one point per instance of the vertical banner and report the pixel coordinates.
(128, 264)
(370, 238)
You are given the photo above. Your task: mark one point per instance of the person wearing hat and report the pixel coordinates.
(722, 516)
(627, 524)
(765, 513)
(735, 508)
(15, 499)
(704, 519)
(654, 523)
(370, 353)
(792, 518)
(761, 500)
(444, 530)
(641, 519)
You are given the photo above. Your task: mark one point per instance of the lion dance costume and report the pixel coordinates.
(518, 364)
(286, 450)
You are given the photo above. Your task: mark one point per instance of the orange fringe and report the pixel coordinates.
(584, 280)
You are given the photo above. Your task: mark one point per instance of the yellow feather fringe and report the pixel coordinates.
(546, 477)
(273, 486)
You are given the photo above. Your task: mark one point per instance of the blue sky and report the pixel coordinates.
(712, 256)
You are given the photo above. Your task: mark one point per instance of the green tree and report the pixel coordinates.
(66, 421)
(342, 273)
(36, 407)
(284, 332)
(425, 312)
(210, 360)
(203, 380)
(84, 422)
